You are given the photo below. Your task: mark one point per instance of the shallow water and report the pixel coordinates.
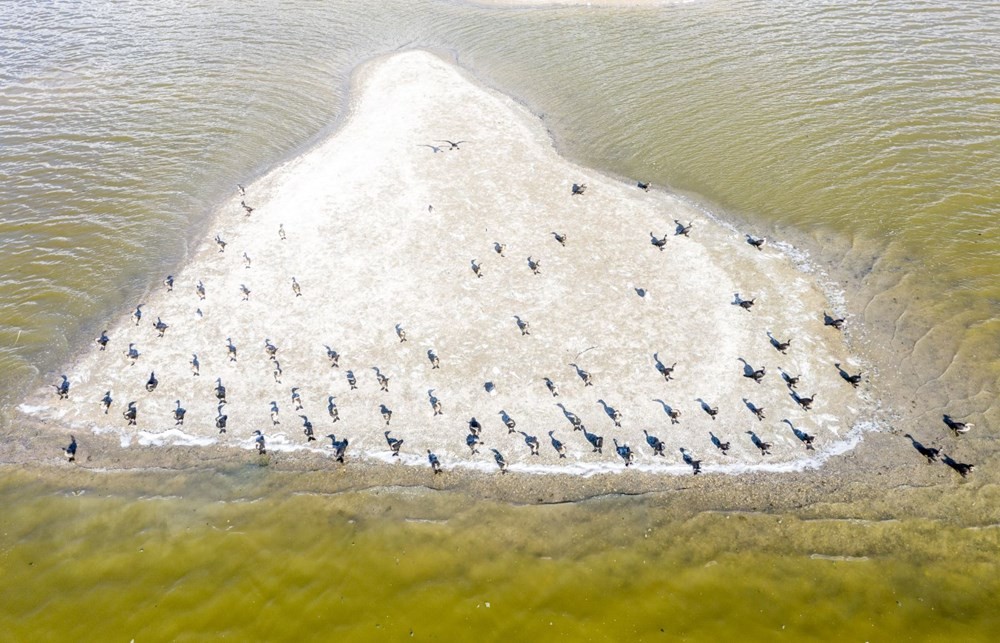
(866, 135)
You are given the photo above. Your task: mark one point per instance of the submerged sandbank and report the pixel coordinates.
(381, 226)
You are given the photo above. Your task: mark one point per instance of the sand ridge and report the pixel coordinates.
(381, 230)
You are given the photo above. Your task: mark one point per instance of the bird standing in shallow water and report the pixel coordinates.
(394, 444)
(756, 243)
(500, 460)
(130, 413)
(435, 463)
(259, 442)
(62, 389)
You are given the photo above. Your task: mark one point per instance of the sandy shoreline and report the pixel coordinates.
(381, 230)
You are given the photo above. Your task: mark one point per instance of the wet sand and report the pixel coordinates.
(382, 224)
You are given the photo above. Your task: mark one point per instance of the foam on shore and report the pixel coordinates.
(381, 230)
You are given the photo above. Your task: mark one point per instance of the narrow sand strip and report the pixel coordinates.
(381, 229)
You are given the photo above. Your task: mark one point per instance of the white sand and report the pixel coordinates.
(369, 254)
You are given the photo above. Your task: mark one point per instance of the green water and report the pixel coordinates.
(383, 563)
(866, 135)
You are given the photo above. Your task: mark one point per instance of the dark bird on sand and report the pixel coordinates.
(130, 413)
(200, 289)
(558, 445)
(475, 427)
(830, 321)
(596, 441)
(690, 461)
(534, 265)
(644, 186)
(531, 441)
(179, 414)
(659, 243)
(958, 427)
(103, 340)
(683, 229)
(307, 428)
(220, 390)
(333, 355)
(160, 326)
(853, 380)
(476, 268)
(756, 243)
(745, 304)
(654, 442)
(332, 409)
(106, 401)
(70, 450)
(579, 188)
(220, 420)
(722, 446)
(804, 402)
(169, 283)
(137, 314)
(928, 452)
(259, 442)
(473, 442)
(499, 248)
(962, 468)
(508, 421)
(523, 325)
(625, 452)
(765, 447)
(220, 243)
(152, 382)
(561, 238)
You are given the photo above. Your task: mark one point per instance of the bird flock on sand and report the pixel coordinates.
(469, 429)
